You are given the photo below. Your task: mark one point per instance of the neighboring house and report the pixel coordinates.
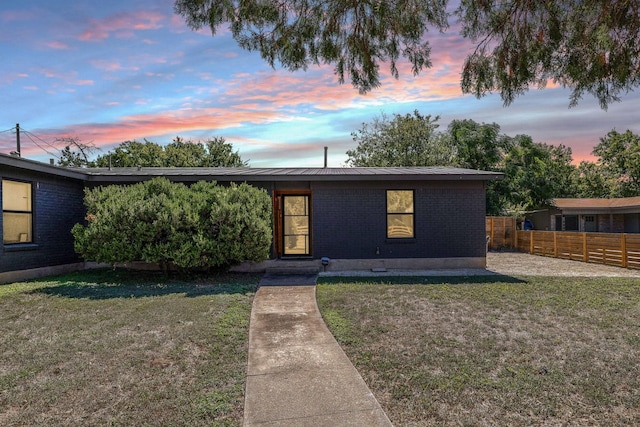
(620, 215)
(359, 218)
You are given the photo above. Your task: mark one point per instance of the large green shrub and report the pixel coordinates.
(198, 227)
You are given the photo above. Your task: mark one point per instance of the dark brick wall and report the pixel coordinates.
(57, 207)
(351, 222)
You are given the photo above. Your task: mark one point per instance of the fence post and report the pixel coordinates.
(555, 244)
(530, 241)
(623, 248)
(585, 254)
(492, 242)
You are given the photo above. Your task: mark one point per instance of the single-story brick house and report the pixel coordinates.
(357, 217)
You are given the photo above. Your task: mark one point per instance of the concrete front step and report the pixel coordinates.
(291, 270)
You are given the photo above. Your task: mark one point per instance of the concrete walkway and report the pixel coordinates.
(298, 375)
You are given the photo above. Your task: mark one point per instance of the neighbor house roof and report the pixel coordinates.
(254, 174)
(585, 206)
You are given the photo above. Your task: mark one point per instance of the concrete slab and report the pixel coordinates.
(373, 417)
(297, 373)
(296, 300)
(269, 360)
(275, 279)
(306, 393)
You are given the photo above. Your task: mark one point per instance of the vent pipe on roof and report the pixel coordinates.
(326, 149)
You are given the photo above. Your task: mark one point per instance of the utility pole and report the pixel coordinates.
(18, 138)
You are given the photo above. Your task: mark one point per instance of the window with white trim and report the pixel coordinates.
(17, 213)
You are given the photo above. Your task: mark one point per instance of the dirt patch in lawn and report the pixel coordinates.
(521, 264)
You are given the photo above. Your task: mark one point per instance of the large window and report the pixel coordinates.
(400, 214)
(16, 212)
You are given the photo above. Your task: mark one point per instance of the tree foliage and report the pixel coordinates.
(619, 156)
(75, 153)
(589, 46)
(409, 140)
(198, 227)
(354, 36)
(593, 180)
(478, 145)
(535, 173)
(215, 152)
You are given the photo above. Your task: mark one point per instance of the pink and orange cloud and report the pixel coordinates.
(123, 24)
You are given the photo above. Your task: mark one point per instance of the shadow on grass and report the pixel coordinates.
(106, 284)
(422, 280)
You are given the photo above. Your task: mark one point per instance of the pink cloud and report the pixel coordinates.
(141, 126)
(57, 45)
(105, 65)
(121, 25)
(11, 77)
(16, 15)
(69, 78)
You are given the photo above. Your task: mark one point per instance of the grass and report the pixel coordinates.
(493, 351)
(123, 348)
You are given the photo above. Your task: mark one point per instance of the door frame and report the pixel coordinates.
(278, 221)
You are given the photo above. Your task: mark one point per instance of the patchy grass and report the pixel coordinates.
(493, 351)
(123, 348)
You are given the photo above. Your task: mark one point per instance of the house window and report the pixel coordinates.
(17, 214)
(400, 214)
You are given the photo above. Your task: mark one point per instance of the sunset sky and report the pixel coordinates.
(109, 72)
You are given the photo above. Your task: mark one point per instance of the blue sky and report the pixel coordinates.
(123, 70)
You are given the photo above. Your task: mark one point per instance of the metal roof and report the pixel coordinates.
(255, 174)
(34, 166)
(288, 174)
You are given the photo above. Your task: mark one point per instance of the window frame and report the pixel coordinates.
(24, 212)
(390, 215)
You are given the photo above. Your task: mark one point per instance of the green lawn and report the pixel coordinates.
(493, 351)
(119, 348)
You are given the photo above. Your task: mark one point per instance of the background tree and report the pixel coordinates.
(619, 156)
(132, 154)
(593, 180)
(409, 140)
(535, 173)
(590, 46)
(181, 153)
(220, 154)
(478, 146)
(75, 153)
(215, 152)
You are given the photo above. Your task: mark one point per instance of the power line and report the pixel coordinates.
(29, 135)
(8, 130)
(39, 139)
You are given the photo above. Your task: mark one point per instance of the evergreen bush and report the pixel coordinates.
(201, 226)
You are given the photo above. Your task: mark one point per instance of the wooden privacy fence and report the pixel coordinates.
(501, 232)
(617, 249)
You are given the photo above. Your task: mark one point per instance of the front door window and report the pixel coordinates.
(296, 225)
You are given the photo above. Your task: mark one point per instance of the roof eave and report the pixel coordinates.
(34, 166)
